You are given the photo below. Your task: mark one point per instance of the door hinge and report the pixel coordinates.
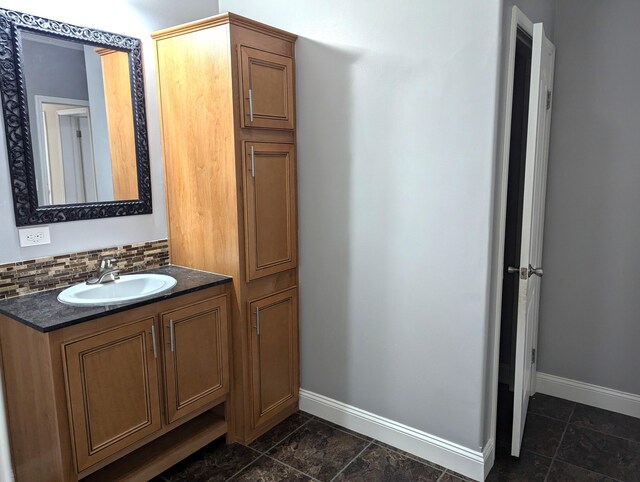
(78, 133)
(549, 95)
(534, 356)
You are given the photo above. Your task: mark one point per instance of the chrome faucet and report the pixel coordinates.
(106, 273)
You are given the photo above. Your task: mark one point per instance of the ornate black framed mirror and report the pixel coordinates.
(75, 123)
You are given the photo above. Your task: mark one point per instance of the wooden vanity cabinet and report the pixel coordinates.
(227, 105)
(196, 362)
(114, 394)
(109, 399)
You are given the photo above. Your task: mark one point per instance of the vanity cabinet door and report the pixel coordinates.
(196, 361)
(270, 208)
(274, 355)
(112, 380)
(267, 89)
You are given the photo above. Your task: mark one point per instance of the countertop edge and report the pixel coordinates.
(120, 309)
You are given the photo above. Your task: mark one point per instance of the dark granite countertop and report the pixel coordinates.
(43, 312)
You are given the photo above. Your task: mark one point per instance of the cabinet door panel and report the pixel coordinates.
(274, 354)
(112, 380)
(120, 128)
(196, 359)
(267, 88)
(270, 208)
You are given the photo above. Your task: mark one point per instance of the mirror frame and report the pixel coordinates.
(17, 127)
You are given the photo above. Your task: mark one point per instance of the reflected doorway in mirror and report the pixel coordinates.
(65, 161)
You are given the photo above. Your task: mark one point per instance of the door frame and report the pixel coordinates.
(518, 21)
(41, 136)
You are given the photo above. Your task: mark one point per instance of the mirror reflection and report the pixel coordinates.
(81, 121)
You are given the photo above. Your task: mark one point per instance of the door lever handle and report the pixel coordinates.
(537, 271)
(524, 272)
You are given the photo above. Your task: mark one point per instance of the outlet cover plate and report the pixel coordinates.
(34, 236)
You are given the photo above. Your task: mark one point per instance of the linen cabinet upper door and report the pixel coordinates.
(270, 208)
(267, 89)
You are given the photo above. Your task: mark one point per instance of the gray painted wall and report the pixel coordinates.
(536, 10)
(130, 17)
(99, 127)
(589, 323)
(63, 78)
(396, 120)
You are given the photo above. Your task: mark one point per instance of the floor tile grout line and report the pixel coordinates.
(404, 453)
(246, 466)
(590, 471)
(291, 467)
(555, 455)
(282, 439)
(548, 416)
(573, 412)
(605, 433)
(351, 461)
(255, 450)
(441, 475)
(550, 457)
(345, 430)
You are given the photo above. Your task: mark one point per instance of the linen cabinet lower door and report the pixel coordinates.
(112, 379)
(196, 356)
(274, 355)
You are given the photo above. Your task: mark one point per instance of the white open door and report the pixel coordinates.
(530, 271)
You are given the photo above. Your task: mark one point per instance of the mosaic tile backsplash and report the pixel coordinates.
(24, 277)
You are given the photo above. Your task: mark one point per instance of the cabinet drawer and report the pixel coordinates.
(274, 355)
(112, 380)
(196, 364)
(267, 89)
(270, 208)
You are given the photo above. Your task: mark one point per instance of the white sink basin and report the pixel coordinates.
(126, 289)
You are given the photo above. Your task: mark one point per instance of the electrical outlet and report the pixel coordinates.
(34, 236)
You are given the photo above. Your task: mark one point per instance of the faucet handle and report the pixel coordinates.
(107, 262)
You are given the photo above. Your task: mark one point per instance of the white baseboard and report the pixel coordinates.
(594, 395)
(471, 463)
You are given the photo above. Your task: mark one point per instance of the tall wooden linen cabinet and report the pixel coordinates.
(227, 102)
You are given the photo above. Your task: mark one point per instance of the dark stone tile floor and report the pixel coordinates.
(307, 448)
(563, 442)
(567, 442)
